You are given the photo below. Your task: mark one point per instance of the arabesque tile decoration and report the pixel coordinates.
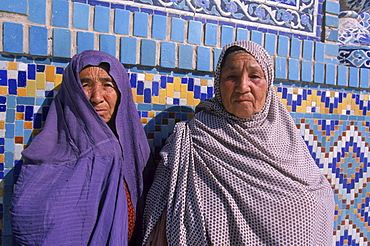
(334, 123)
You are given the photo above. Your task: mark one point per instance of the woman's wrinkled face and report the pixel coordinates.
(243, 85)
(101, 90)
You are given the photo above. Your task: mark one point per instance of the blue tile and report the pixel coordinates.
(13, 37)
(31, 69)
(227, 35)
(85, 41)
(185, 56)
(295, 48)
(307, 49)
(364, 78)
(37, 11)
(38, 40)
(342, 75)
(40, 68)
(159, 27)
(141, 24)
(10, 116)
(19, 6)
(108, 44)
(62, 43)
(211, 35)
(177, 30)
(168, 54)
(22, 79)
(216, 57)
(3, 78)
(319, 72)
(25, 101)
(60, 13)
(280, 68)
(147, 95)
(155, 88)
(332, 21)
(330, 75)
(270, 43)
(128, 50)
(12, 87)
(332, 49)
(148, 52)
(332, 7)
(333, 35)
(195, 32)
(203, 58)
(242, 34)
(9, 130)
(101, 19)
(306, 71)
(81, 15)
(283, 46)
(256, 36)
(121, 21)
(353, 76)
(2, 100)
(293, 69)
(319, 52)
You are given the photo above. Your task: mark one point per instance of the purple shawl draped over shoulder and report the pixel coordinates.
(70, 190)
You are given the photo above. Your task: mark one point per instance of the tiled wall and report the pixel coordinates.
(170, 60)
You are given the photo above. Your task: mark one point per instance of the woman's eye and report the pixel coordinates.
(255, 77)
(109, 85)
(85, 85)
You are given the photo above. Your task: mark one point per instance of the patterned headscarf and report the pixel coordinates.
(230, 181)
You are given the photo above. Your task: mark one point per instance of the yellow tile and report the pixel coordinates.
(133, 90)
(148, 77)
(58, 80)
(40, 81)
(366, 97)
(196, 102)
(301, 109)
(2, 124)
(204, 82)
(22, 92)
(144, 121)
(140, 99)
(295, 90)
(28, 124)
(2, 158)
(169, 90)
(31, 88)
(284, 101)
(176, 84)
(3, 90)
(50, 73)
(155, 99)
(151, 114)
(183, 91)
(19, 116)
(12, 65)
(162, 96)
(190, 99)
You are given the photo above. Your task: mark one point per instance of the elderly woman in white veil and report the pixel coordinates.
(239, 173)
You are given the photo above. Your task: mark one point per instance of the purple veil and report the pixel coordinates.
(70, 190)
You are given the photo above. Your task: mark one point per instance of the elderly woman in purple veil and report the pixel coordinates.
(82, 180)
(239, 173)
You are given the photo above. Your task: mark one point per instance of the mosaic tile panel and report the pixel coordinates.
(335, 125)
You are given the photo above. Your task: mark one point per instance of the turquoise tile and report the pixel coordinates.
(319, 72)
(159, 28)
(280, 67)
(332, 7)
(85, 41)
(293, 69)
(364, 78)
(330, 74)
(333, 35)
(306, 71)
(256, 36)
(108, 44)
(177, 30)
(332, 21)
(195, 32)
(9, 144)
(319, 52)
(19, 124)
(307, 49)
(211, 34)
(353, 77)
(148, 52)
(216, 56)
(38, 40)
(168, 54)
(128, 50)
(101, 19)
(185, 56)
(13, 37)
(203, 58)
(242, 34)
(270, 43)
(342, 75)
(283, 46)
(60, 13)
(37, 11)
(227, 35)
(295, 48)
(121, 21)
(331, 49)
(81, 15)
(18, 6)
(141, 24)
(62, 43)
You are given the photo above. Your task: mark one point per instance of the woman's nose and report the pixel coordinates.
(244, 84)
(96, 95)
